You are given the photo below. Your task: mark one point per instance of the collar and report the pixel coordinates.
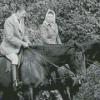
(19, 24)
(46, 23)
(15, 18)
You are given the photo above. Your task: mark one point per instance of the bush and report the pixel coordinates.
(78, 20)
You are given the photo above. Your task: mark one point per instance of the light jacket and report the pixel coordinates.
(49, 34)
(13, 35)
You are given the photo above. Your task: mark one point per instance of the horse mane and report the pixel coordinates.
(52, 49)
(49, 46)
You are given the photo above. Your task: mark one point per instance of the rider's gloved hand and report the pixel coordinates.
(29, 43)
(25, 44)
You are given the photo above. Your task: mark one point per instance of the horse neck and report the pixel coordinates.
(52, 53)
(77, 64)
(59, 56)
(40, 58)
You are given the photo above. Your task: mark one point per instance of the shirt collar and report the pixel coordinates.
(48, 24)
(15, 18)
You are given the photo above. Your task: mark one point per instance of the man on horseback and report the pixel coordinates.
(14, 38)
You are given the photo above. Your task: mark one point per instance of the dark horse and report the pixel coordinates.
(37, 65)
(91, 51)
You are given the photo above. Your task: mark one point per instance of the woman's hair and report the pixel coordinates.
(49, 12)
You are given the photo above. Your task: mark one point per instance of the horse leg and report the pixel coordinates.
(38, 96)
(68, 92)
(9, 95)
(30, 93)
(1, 95)
(65, 93)
(73, 92)
(73, 97)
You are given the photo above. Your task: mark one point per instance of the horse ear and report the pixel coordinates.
(78, 47)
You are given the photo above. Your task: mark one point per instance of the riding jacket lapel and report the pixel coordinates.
(22, 25)
(18, 25)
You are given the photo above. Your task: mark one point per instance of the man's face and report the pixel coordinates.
(21, 14)
(50, 18)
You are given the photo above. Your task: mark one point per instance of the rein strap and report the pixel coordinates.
(44, 58)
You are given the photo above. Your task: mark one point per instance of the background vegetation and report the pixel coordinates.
(78, 20)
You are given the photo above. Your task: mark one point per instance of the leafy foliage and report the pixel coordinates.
(78, 20)
(91, 89)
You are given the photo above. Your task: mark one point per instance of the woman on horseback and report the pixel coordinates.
(49, 29)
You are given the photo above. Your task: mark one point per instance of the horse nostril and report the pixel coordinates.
(83, 80)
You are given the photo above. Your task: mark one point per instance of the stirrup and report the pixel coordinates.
(17, 85)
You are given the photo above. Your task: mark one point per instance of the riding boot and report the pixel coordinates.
(16, 83)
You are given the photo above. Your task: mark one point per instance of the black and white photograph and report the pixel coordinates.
(49, 49)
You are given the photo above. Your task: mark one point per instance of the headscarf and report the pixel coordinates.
(45, 21)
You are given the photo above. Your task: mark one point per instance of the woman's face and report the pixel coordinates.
(50, 18)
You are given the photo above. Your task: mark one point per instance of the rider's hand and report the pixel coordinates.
(25, 44)
(29, 43)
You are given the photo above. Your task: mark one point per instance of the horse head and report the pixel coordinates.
(78, 63)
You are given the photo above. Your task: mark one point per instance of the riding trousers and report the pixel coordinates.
(13, 57)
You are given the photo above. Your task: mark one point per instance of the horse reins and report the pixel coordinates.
(51, 62)
(46, 59)
(92, 62)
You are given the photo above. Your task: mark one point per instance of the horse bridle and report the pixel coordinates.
(85, 71)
